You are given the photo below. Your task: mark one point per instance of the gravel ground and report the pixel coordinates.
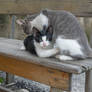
(32, 86)
(78, 82)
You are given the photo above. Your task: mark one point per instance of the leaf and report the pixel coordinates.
(1, 80)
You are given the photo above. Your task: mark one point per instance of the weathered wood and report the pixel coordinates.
(11, 48)
(18, 62)
(35, 72)
(88, 86)
(55, 90)
(79, 7)
(3, 89)
(9, 78)
(77, 83)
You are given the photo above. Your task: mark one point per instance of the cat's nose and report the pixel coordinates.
(44, 44)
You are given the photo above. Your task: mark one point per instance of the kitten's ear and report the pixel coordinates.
(50, 29)
(35, 31)
(20, 22)
(44, 11)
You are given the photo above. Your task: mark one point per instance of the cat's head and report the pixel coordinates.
(43, 38)
(37, 20)
(25, 24)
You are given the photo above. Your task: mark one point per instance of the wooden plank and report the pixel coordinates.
(78, 7)
(88, 84)
(9, 78)
(55, 90)
(35, 72)
(77, 83)
(11, 48)
(3, 89)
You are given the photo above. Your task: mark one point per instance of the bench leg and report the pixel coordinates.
(88, 86)
(56, 90)
(78, 83)
(9, 78)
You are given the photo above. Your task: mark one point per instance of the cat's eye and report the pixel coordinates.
(40, 40)
(47, 38)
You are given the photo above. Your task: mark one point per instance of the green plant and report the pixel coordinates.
(1, 80)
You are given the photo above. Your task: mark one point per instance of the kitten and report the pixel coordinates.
(68, 32)
(63, 49)
(39, 43)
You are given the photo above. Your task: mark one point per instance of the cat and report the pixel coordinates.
(40, 43)
(39, 21)
(68, 32)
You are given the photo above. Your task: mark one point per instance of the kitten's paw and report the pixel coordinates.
(22, 48)
(57, 56)
(57, 50)
(64, 57)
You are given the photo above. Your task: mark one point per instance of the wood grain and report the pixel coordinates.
(11, 47)
(3, 89)
(55, 90)
(78, 7)
(49, 76)
(88, 83)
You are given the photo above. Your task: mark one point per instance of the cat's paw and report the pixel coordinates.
(57, 56)
(22, 48)
(57, 50)
(64, 57)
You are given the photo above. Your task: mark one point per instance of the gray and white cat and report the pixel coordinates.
(39, 21)
(69, 39)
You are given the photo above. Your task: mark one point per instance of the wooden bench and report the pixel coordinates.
(59, 75)
(52, 72)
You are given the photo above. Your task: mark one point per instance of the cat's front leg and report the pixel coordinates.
(23, 48)
(64, 57)
(47, 52)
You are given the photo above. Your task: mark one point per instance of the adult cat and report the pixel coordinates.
(68, 30)
(40, 43)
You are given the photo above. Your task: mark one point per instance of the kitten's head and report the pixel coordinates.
(43, 38)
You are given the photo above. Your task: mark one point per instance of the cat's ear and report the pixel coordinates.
(20, 22)
(25, 24)
(35, 31)
(50, 29)
(44, 11)
(44, 29)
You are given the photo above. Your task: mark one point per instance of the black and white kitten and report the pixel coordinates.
(40, 42)
(68, 36)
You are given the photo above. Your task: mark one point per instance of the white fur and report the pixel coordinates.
(44, 38)
(22, 48)
(44, 42)
(22, 90)
(19, 22)
(64, 57)
(39, 21)
(41, 52)
(70, 45)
